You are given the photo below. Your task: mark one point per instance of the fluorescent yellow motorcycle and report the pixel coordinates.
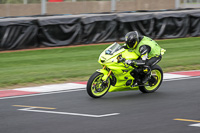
(116, 75)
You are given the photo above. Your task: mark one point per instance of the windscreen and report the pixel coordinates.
(113, 48)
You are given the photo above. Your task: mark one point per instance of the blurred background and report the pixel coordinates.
(27, 24)
(36, 7)
(47, 23)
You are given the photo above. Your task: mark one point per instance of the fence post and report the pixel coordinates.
(113, 5)
(25, 2)
(177, 4)
(43, 7)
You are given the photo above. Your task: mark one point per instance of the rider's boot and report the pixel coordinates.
(147, 72)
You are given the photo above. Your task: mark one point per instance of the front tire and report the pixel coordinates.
(157, 72)
(95, 86)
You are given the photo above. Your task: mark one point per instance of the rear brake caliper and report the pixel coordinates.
(153, 80)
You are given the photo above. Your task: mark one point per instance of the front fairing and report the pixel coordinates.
(110, 54)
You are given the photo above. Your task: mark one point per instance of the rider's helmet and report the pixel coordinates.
(132, 39)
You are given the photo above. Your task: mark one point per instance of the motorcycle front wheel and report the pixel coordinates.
(157, 73)
(96, 87)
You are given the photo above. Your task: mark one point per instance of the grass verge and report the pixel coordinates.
(50, 66)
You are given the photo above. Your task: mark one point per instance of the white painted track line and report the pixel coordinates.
(50, 88)
(173, 76)
(32, 109)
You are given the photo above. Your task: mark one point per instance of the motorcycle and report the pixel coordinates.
(116, 75)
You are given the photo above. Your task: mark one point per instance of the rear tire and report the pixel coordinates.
(94, 85)
(158, 73)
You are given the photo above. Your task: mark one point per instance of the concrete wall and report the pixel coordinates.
(78, 7)
(84, 7)
(19, 9)
(145, 5)
(188, 5)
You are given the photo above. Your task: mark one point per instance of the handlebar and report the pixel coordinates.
(122, 60)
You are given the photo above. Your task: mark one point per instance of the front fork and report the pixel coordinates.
(105, 82)
(106, 75)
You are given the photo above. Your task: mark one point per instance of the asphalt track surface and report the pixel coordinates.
(172, 109)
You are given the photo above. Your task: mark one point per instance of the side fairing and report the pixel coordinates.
(120, 70)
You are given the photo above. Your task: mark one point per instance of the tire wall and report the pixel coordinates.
(63, 30)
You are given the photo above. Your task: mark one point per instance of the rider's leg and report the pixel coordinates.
(147, 68)
(136, 74)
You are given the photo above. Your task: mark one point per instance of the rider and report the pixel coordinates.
(149, 53)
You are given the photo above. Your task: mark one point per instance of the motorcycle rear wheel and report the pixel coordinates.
(95, 86)
(157, 72)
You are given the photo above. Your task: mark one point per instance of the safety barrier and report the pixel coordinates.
(62, 30)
